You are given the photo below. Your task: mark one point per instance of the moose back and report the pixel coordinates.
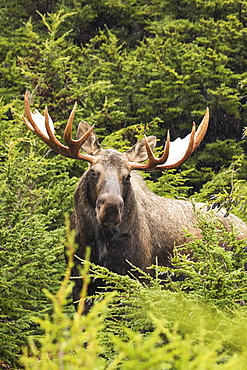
(115, 213)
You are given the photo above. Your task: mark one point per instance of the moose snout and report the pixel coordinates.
(109, 210)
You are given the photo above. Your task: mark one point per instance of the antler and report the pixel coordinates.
(175, 152)
(43, 127)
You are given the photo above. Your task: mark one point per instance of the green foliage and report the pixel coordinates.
(171, 184)
(231, 202)
(214, 167)
(180, 67)
(67, 337)
(48, 66)
(134, 68)
(35, 193)
(226, 189)
(215, 275)
(138, 325)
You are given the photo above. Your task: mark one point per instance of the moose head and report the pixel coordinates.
(109, 172)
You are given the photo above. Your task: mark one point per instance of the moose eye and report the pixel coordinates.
(93, 173)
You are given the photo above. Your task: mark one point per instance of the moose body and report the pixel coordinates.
(115, 214)
(149, 228)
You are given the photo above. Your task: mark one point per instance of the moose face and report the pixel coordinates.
(108, 184)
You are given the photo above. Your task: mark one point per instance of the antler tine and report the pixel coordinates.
(153, 162)
(42, 126)
(201, 130)
(53, 142)
(176, 152)
(74, 145)
(68, 129)
(30, 122)
(188, 152)
(165, 154)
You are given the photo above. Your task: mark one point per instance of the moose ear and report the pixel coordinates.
(138, 152)
(91, 145)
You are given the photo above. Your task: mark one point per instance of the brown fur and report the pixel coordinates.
(147, 226)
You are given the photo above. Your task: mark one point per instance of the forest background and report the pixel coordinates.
(134, 67)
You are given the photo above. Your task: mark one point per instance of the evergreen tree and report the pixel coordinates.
(133, 67)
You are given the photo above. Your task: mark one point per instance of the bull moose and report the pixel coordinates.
(115, 213)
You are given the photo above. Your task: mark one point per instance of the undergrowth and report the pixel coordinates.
(159, 325)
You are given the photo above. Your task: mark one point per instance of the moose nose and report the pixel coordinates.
(109, 210)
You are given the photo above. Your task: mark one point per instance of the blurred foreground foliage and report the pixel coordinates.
(159, 325)
(134, 68)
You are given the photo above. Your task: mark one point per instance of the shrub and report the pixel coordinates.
(137, 326)
(35, 193)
